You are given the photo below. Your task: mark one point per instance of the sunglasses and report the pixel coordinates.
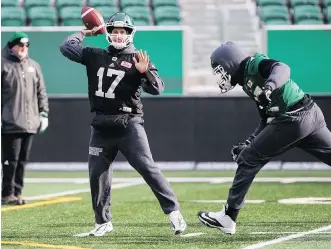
(23, 44)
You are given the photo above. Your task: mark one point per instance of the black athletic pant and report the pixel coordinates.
(305, 129)
(15, 154)
(129, 137)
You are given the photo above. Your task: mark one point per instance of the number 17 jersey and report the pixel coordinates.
(114, 82)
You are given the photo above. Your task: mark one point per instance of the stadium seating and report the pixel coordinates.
(277, 22)
(128, 3)
(271, 2)
(168, 22)
(166, 13)
(97, 3)
(304, 12)
(7, 3)
(141, 22)
(66, 3)
(304, 2)
(157, 3)
(310, 22)
(107, 11)
(13, 16)
(67, 12)
(42, 16)
(139, 13)
(36, 3)
(71, 16)
(272, 14)
(328, 14)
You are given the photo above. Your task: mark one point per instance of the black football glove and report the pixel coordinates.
(236, 149)
(264, 97)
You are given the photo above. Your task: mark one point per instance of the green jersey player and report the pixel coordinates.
(289, 118)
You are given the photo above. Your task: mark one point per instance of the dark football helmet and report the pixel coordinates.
(225, 63)
(120, 20)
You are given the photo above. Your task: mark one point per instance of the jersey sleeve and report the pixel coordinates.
(151, 81)
(275, 73)
(72, 47)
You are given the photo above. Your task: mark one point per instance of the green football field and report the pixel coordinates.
(286, 209)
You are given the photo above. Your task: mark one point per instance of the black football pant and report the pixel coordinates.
(15, 154)
(305, 129)
(131, 140)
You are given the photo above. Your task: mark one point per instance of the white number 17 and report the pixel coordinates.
(110, 72)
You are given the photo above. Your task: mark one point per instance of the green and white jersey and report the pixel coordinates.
(281, 98)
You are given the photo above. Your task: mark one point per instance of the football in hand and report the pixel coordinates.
(92, 18)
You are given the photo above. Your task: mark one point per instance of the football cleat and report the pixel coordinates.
(98, 231)
(218, 220)
(177, 222)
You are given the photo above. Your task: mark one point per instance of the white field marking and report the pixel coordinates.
(184, 179)
(224, 201)
(78, 191)
(285, 232)
(286, 238)
(191, 234)
(307, 200)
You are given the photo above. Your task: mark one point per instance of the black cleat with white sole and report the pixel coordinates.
(208, 221)
(218, 220)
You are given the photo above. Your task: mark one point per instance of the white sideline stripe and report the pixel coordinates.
(284, 232)
(79, 191)
(224, 201)
(184, 179)
(286, 238)
(86, 12)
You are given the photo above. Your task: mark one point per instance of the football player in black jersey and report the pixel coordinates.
(115, 78)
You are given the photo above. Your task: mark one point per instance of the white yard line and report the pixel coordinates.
(191, 234)
(78, 191)
(215, 180)
(286, 238)
(284, 232)
(224, 201)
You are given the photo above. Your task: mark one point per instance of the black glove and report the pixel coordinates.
(264, 97)
(236, 149)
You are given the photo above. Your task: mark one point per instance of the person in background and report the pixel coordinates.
(24, 112)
